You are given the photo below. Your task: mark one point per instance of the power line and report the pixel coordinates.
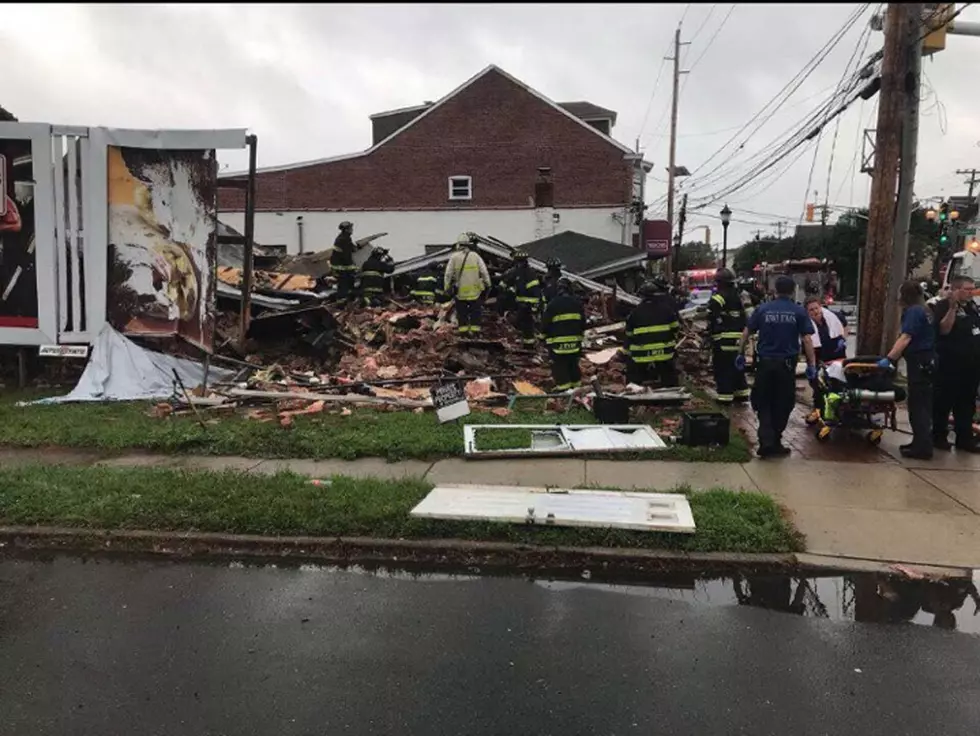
(711, 40)
(704, 22)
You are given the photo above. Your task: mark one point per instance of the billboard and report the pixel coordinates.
(18, 275)
(162, 242)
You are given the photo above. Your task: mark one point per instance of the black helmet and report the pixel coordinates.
(520, 255)
(652, 287)
(553, 263)
(379, 251)
(346, 225)
(724, 276)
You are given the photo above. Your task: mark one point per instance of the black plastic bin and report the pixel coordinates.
(611, 410)
(701, 428)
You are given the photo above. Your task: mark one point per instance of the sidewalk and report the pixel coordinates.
(892, 510)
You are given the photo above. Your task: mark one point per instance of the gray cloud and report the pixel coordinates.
(306, 77)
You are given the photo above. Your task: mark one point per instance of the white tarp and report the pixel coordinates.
(666, 512)
(121, 370)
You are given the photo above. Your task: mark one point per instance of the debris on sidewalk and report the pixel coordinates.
(491, 440)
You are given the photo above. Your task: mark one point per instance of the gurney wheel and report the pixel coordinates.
(824, 434)
(874, 437)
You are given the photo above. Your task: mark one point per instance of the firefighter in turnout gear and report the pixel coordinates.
(651, 335)
(466, 279)
(726, 321)
(374, 273)
(427, 287)
(563, 325)
(342, 262)
(526, 288)
(549, 289)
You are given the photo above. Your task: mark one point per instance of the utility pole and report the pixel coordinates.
(779, 229)
(680, 228)
(879, 243)
(906, 178)
(672, 158)
(973, 179)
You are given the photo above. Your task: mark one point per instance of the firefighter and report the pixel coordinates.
(526, 288)
(651, 335)
(549, 289)
(465, 281)
(373, 276)
(342, 262)
(726, 321)
(563, 325)
(427, 288)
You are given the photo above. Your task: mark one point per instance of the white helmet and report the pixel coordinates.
(463, 239)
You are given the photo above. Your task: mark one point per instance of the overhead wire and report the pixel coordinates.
(791, 86)
(704, 22)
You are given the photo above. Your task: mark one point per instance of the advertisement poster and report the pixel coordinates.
(18, 276)
(162, 243)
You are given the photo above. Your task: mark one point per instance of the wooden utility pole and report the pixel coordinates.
(672, 158)
(881, 208)
(972, 173)
(906, 178)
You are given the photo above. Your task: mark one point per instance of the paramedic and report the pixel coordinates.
(958, 362)
(782, 325)
(917, 343)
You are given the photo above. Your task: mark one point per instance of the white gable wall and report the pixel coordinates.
(410, 231)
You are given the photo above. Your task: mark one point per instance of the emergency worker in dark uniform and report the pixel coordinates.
(428, 285)
(917, 343)
(550, 281)
(373, 276)
(726, 321)
(958, 365)
(563, 325)
(782, 325)
(342, 262)
(525, 286)
(651, 335)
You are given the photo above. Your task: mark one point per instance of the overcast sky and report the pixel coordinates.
(306, 77)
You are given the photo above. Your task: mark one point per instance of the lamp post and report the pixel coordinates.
(726, 217)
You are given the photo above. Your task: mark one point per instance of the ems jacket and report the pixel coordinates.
(525, 284)
(726, 320)
(466, 275)
(426, 287)
(373, 273)
(563, 325)
(342, 257)
(651, 330)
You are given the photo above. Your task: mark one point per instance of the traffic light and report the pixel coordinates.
(809, 212)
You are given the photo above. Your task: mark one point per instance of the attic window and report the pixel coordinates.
(460, 187)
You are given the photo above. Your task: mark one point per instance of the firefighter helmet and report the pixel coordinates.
(346, 225)
(724, 276)
(554, 264)
(520, 255)
(652, 287)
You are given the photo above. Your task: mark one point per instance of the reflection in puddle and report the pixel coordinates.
(862, 597)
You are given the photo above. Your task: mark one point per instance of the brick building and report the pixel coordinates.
(493, 156)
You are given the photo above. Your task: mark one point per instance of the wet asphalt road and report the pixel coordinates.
(146, 648)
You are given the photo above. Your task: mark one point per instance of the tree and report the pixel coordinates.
(6, 116)
(695, 254)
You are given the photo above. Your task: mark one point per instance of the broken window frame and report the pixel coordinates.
(565, 433)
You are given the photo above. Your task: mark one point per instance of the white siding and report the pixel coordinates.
(410, 231)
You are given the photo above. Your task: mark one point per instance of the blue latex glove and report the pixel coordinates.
(841, 344)
(811, 372)
(884, 363)
(740, 362)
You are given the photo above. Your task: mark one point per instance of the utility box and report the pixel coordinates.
(936, 16)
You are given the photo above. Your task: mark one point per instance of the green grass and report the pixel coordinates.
(287, 504)
(395, 435)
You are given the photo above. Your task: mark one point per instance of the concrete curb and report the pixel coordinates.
(456, 554)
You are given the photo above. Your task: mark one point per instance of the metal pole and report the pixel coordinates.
(906, 181)
(673, 149)
(724, 245)
(246, 315)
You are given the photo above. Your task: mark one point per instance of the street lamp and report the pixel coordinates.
(726, 217)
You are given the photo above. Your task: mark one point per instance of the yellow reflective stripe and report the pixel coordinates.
(567, 317)
(343, 268)
(471, 267)
(652, 346)
(532, 284)
(729, 348)
(528, 299)
(469, 293)
(734, 313)
(371, 273)
(654, 328)
(653, 358)
(423, 293)
(564, 338)
(718, 298)
(728, 336)
(566, 350)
